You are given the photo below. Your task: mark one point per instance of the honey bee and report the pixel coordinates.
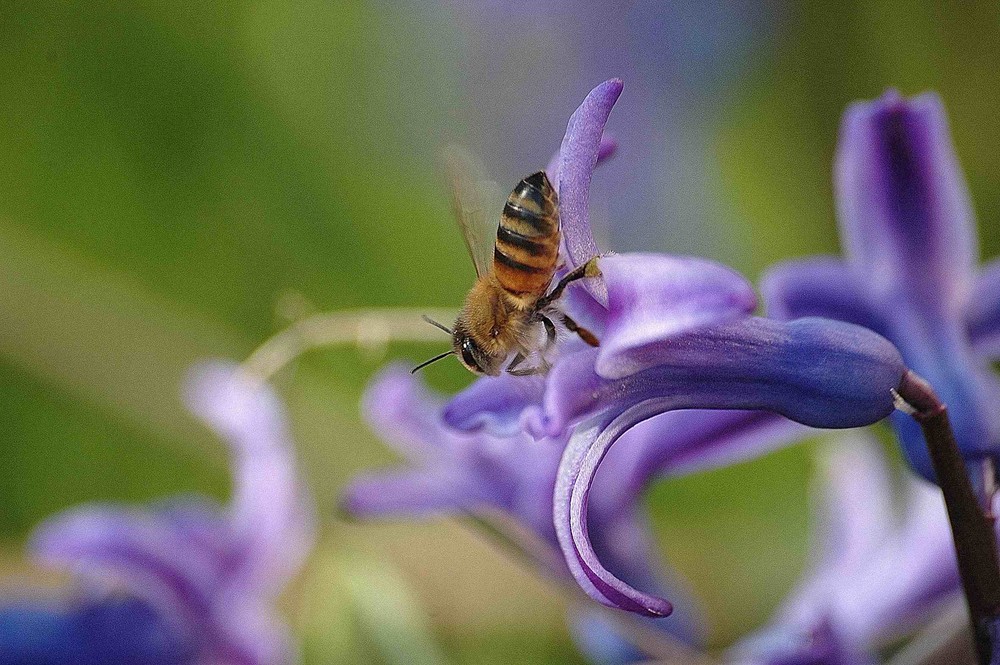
(510, 307)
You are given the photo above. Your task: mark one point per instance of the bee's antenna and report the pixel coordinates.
(437, 325)
(432, 360)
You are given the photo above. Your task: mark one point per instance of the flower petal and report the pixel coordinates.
(654, 297)
(502, 405)
(821, 286)
(914, 575)
(455, 470)
(109, 631)
(817, 372)
(271, 515)
(402, 494)
(570, 514)
(403, 413)
(854, 520)
(105, 543)
(983, 313)
(578, 156)
(606, 150)
(906, 218)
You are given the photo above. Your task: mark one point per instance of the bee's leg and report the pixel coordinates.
(530, 371)
(588, 269)
(518, 359)
(584, 334)
(550, 333)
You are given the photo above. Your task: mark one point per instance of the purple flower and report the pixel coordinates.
(211, 572)
(504, 481)
(874, 577)
(107, 630)
(676, 333)
(909, 271)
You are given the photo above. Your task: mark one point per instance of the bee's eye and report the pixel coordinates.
(468, 353)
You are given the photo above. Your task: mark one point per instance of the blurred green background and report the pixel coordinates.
(171, 172)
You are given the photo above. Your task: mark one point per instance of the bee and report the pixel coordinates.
(509, 309)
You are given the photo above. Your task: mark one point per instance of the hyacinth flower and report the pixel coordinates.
(502, 482)
(187, 580)
(676, 333)
(875, 576)
(909, 272)
(903, 206)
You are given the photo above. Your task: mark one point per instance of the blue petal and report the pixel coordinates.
(110, 631)
(982, 317)
(821, 286)
(817, 372)
(906, 218)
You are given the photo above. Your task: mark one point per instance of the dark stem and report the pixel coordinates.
(971, 524)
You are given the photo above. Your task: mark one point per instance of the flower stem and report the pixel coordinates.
(971, 523)
(369, 329)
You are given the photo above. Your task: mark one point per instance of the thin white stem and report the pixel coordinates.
(366, 329)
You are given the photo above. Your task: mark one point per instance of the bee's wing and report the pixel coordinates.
(477, 201)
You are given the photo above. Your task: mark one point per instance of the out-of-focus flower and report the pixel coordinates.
(91, 631)
(676, 333)
(874, 578)
(504, 481)
(508, 480)
(187, 580)
(909, 272)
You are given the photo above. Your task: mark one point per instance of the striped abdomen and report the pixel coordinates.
(527, 246)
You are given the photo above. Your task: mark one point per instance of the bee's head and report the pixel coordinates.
(476, 359)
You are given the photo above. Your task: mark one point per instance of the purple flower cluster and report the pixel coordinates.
(875, 576)
(186, 580)
(687, 378)
(909, 271)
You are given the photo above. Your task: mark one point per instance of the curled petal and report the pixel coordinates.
(816, 372)
(904, 208)
(271, 516)
(582, 456)
(655, 297)
(578, 156)
(983, 313)
(823, 286)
